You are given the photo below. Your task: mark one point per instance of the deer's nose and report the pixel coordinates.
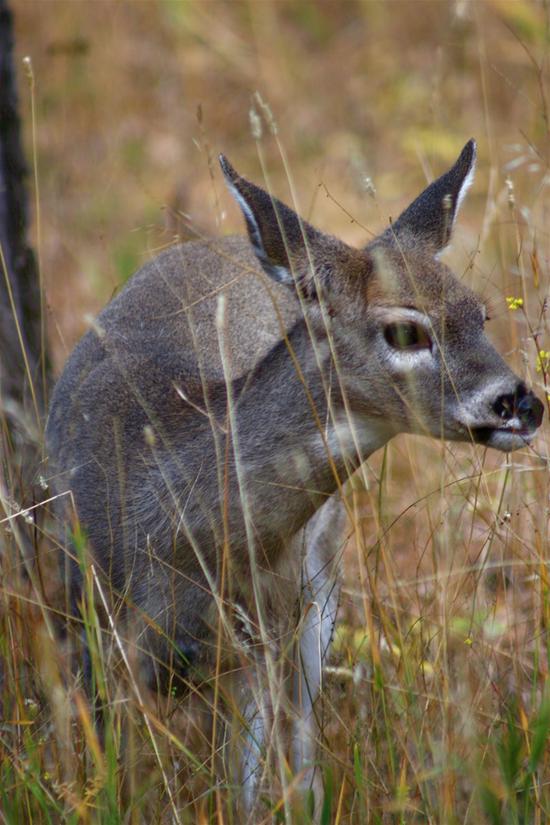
(521, 404)
(530, 411)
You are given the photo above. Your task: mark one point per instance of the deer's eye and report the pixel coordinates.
(406, 335)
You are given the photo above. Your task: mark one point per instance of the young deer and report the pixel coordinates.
(208, 420)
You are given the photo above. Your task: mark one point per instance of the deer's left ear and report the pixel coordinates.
(290, 250)
(430, 218)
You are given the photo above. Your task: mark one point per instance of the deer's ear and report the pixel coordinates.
(430, 218)
(278, 236)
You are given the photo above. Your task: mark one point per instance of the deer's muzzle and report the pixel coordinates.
(520, 414)
(522, 405)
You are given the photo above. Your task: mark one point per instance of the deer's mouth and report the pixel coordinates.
(521, 415)
(510, 437)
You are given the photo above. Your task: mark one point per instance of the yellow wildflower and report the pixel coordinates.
(543, 360)
(514, 303)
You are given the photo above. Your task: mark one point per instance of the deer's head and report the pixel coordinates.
(407, 336)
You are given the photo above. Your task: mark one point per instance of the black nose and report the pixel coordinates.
(521, 404)
(531, 411)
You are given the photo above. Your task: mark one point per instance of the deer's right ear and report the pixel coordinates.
(278, 236)
(430, 218)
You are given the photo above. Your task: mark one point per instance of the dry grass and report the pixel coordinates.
(436, 705)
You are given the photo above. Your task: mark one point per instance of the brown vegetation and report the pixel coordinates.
(437, 707)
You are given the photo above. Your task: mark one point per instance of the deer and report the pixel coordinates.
(208, 420)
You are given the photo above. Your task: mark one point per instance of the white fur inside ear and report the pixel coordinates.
(253, 228)
(466, 183)
(278, 273)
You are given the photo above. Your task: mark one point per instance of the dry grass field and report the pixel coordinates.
(436, 705)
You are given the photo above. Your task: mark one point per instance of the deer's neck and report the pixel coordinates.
(295, 443)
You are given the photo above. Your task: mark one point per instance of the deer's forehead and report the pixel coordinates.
(424, 284)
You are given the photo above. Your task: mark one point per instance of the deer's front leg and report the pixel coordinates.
(324, 539)
(254, 710)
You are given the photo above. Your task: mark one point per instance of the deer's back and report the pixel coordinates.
(166, 314)
(159, 333)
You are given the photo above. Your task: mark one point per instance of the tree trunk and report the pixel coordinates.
(21, 357)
